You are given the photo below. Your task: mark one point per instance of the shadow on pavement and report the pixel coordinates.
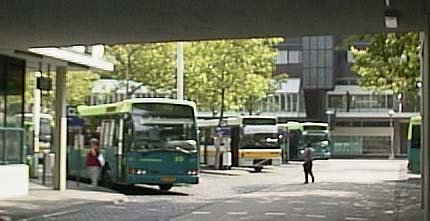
(144, 190)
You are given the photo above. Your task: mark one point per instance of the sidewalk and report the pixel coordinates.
(43, 201)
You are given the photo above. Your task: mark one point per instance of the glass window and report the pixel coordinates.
(314, 42)
(321, 42)
(282, 57)
(294, 103)
(337, 101)
(283, 102)
(321, 58)
(314, 58)
(294, 57)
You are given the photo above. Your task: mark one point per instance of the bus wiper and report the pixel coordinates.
(182, 145)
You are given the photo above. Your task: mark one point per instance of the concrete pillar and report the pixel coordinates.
(60, 134)
(180, 70)
(426, 121)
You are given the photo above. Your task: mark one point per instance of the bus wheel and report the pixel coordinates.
(258, 169)
(165, 187)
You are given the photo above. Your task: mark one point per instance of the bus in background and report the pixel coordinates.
(259, 144)
(144, 141)
(207, 134)
(414, 144)
(291, 139)
(317, 135)
(45, 131)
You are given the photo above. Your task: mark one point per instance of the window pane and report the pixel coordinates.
(294, 57)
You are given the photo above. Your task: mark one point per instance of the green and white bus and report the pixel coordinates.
(317, 135)
(254, 141)
(291, 139)
(414, 144)
(144, 141)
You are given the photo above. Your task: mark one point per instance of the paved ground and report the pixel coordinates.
(344, 190)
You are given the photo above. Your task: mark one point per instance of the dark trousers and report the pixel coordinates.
(307, 166)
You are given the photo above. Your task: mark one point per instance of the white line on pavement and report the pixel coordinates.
(329, 203)
(297, 201)
(237, 213)
(355, 218)
(151, 209)
(274, 214)
(315, 216)
(53, 214)
(232, 201)
(201, 212)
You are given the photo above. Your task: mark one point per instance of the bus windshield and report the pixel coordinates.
(315, 138)
(258, 137)
(162, 125)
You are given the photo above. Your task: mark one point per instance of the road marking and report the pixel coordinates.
(298, 209)
(389, 212)
(355, 218)
(115, 207)
(237, 213)
(53, 214)
(201, 212)
(297, 201)
(330, 203)
(232, 201)
(274, 214)
(151, 209)
(315, 216)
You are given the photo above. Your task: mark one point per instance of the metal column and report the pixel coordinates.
(60, 135)
(426, 121)
(180, 70)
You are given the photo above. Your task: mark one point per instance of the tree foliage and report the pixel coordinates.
(242, 68)
(391, 61)
(151, 64)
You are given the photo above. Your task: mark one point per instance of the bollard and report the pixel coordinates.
(34, 165)
(48, 165)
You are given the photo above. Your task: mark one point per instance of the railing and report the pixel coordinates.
(12, 144)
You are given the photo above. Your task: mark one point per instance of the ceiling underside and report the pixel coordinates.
(37, 23)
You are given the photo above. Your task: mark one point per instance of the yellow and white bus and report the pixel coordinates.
(253, 141)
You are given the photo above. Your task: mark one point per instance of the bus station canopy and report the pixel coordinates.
(63, 22)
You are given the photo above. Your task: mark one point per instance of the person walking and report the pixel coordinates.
(93, 164)
(307, 165)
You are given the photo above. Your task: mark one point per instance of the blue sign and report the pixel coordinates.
(223, 131)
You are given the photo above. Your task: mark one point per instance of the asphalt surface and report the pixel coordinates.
(344, 190)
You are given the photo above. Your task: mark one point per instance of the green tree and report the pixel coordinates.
(151, 64)
(78, 86)
(228, 74)
(391, 61)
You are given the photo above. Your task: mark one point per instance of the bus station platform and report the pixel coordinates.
(43, 202)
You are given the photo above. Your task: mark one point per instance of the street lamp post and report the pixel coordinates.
(391, 113)
(399, 99)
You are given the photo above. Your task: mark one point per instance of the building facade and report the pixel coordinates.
(363, 122)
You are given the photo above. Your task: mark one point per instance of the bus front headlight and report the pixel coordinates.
(192, 172)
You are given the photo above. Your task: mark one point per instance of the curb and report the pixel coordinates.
(218, 173)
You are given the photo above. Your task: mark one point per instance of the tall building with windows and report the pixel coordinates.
(326, 90)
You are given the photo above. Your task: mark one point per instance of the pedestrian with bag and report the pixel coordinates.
(308, 155)
(93, 162)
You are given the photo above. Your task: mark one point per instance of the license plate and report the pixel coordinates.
(168, 179)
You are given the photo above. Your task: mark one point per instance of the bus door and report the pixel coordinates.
(235, 138)
(294, 141)
(108, 147)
